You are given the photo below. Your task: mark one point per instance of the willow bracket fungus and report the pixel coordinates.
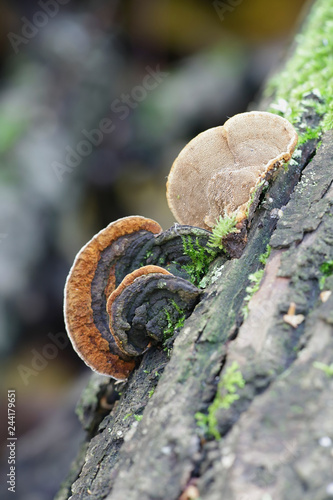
(221, 171)
(100, 267)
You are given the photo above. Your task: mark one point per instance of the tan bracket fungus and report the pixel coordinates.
(218, 171)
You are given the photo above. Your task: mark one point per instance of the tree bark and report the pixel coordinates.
(276, 438)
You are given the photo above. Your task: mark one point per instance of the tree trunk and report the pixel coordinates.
(275, 441)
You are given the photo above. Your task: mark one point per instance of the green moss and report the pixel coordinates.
(264, 256)
(200, 257)
(309, 134)
(148, 254)
(224, 225)
(225, 396)
(308, 73)
(328, 369)
(137, 417)
(151, 392)
(327, 270)
(255, 280)
(174, 321)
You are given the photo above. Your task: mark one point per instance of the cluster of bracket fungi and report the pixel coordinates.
(122, 288)
(131, 277)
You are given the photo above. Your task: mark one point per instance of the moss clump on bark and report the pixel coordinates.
(308, 72)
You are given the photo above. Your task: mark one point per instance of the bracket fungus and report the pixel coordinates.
(219, 171)
(141, 305)
(117, 257)
(89, 283)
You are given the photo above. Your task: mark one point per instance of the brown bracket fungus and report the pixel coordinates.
(133, 242)
(141, 307)
(218, 172)
(114, 255)
(91, 280)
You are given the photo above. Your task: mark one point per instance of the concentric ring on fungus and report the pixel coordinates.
(91, 280)
(139, 308)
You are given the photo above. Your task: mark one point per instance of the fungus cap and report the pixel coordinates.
(217, 171)
(127, 281)
(90, 282)
(140, 308)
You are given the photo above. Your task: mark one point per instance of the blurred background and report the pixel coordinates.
(97, 98)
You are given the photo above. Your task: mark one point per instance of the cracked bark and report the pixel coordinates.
(272, 436)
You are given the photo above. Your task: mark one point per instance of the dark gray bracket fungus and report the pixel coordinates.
(219, 171)
(122, 247)
(140, 308)
(163, 248)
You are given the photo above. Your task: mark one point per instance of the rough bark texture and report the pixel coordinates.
(275, 439)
